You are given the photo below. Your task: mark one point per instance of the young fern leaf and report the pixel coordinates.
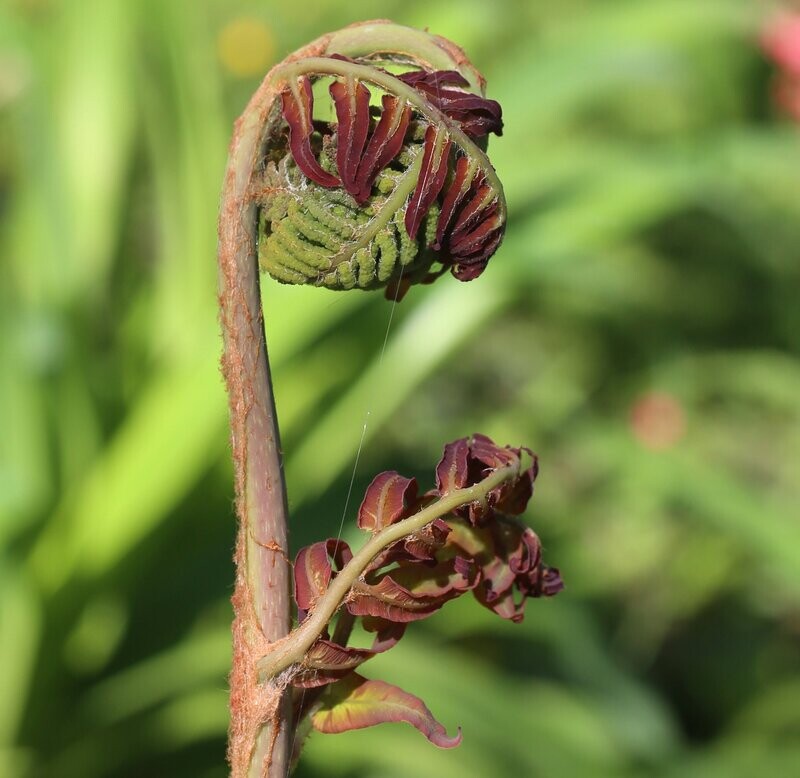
(477, 546)
(400, 191)
(359, 162)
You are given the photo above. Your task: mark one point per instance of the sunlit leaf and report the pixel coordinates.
(388, 498)
(355, 703)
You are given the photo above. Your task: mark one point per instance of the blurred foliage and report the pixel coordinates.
(639, 328)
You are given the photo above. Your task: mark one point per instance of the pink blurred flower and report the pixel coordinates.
(780, 41)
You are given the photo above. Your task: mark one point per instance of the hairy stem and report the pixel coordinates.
(261, 595)
(259, 732)
(293, 648)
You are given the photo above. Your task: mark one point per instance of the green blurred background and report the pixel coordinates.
(639, 328)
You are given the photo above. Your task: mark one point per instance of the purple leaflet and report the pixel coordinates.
(484, 449)
(514, 498)
(444, 581)
(435, 159)
(463, 174)
(298, 103)
(326, 662)
(477, 116)
(313, 571)
(387, 633)
(384, 145)
(549, 582)
(351, 99)
(360, 163)
(453, 469)
(389, 498)
(391, 601)
(470, 226)
(424, 543)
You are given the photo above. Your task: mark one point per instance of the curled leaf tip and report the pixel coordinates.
(387, 186)
(297, 104)
(356, 702)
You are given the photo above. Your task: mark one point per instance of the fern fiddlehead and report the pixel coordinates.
(389, 182)
(360, 162)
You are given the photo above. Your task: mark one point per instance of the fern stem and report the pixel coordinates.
(260, 732)
(259, 739)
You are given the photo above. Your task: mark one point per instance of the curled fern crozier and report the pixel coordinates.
(375, 173)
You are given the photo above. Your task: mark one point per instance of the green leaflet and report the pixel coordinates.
(311, 234)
